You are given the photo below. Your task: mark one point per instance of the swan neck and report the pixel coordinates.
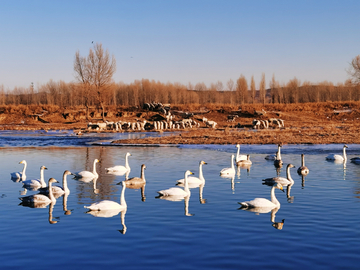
(122, 197)
(65, 186)
(127, 162)
(142, 175)
(201, 177)
(302, 160)
(51, 195)
(238, 151)
(24, 168)
(42, 181)
(288, 175)
(232, 162)
(94, 168)
(186, 184)
(344, 153)
(273, 197)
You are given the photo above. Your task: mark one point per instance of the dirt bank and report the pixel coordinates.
(320, 123)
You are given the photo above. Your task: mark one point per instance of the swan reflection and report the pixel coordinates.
(51, 208)
(111, 213)
(175, 198)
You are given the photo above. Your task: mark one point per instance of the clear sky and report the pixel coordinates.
(180, 40)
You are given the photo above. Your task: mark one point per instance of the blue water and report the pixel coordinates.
(321, 216)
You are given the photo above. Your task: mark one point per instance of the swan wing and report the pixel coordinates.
(175, 191)
(258, 202)
(271, 181)
(191, 180)
(84, 174)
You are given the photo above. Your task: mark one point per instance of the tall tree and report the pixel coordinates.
(262, 89)
(95, 73)
(242, 89)
(252, 89)
(354, 69)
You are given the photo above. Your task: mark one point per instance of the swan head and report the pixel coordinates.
(22, 162)
(143, 166)
(96, 160)
(279, 186)
(187, 173)
(53, 180)
(128, 154)
(203, 162)
(238, 145)
(67, 173)
(290, 165)
(345, 146)
(43, 168)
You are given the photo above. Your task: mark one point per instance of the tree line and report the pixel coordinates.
(94, 87)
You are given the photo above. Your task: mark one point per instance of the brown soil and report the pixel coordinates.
(304, 124)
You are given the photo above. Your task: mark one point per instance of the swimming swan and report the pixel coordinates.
(192, 180)
(110, 205)
(283, 181)
(229, 171)
(238, 156)
(244, 162)
(120, 169)
(262, 202)
(273, 156)
(176, 191)
(278, 161)
(137, 180)
(87, 174)
(41, 198)
(58, 190)
(303, 170)
(339, 158)
(36, 183)
(20, 175)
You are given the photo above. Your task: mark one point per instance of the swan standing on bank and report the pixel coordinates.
(120, 169)
(20, 175)
(176, 191)
(229, 171)
(88, 174)
(192, 180)
(282, 180)
(41, 198)
(36, 183)
(303, 170)
(58, 190)
(110, 205)
(262, 202)
(238, 156)
(339, 158)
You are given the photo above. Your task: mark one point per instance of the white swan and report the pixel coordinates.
(244, 162)
(229, 171)
(278, 161)
(137, 180)
(273, 156)
(58, 190)
(176, 191)
(192, 180)
(36, 183)
(41, 198)
(262, 202)
(110, 205)
(339, 158)
(87, 174)
(238, 156)
(282, 180)
(303, 170)
(20, 175)
(120, 169)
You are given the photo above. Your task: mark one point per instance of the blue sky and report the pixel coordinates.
(185, 41)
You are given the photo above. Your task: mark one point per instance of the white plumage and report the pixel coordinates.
(238, 156)
(336, 157)
(88, 174)
(36, 183)
(192, 180)
(282, 180)
(229, 171)
(120, 169)
(176, 191)
(20, 175)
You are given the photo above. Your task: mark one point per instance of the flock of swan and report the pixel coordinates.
(48, 192)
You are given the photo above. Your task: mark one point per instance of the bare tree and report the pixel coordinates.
(262, 89)
(242, 89)
(354, 69)
(252, 89)
(230, 85)
(95, 73)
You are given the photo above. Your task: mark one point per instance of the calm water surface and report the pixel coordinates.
(321, 227)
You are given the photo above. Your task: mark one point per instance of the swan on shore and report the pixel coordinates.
(282, 180)
(192, 180)
(20, 175)
(338, 158)
(262, 202)
(110, 205)
(244, 162)
(120, 169)
(58, 190)
(238, 156)
(41, 198)
(88, 174)
(229, 171)
(36, 183)
(176, 191)
(303, 170)
(137, 180)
